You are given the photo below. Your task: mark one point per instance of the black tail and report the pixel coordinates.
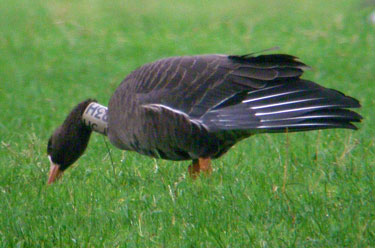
(285, 105)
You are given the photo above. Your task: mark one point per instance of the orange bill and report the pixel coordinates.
(54, 172)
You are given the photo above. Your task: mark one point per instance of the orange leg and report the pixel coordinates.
(198, 165)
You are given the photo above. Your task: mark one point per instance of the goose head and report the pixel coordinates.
(68, 141)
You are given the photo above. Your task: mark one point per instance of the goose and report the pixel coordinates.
(197, 107)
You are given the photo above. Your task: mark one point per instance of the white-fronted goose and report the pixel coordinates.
(197, 107)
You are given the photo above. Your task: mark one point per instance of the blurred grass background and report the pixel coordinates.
(56, 53)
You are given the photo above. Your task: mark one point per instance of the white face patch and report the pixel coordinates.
(52, 164)
(50, 160)
(96, 117)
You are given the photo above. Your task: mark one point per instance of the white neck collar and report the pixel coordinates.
(96, 117)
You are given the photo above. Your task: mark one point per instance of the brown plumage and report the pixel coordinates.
(197, 107)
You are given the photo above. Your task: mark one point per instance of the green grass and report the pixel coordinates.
(311, 189)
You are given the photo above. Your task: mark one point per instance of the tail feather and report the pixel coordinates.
(297, 105)
(268, 61)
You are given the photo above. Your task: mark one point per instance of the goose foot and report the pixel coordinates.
(198, 165)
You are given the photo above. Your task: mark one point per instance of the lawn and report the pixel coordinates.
(312, 189)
